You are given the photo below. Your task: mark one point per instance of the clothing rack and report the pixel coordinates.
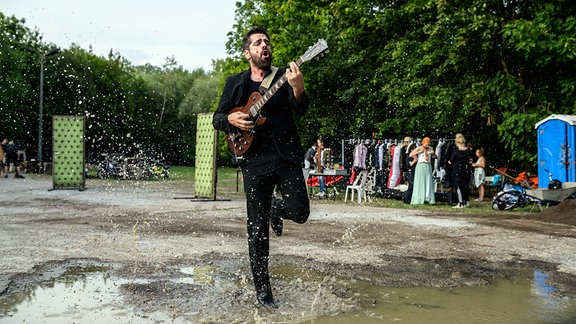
(390, 141)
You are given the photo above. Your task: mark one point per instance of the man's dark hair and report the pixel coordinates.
(255, 30)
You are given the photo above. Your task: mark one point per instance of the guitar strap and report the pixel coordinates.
(268, 80)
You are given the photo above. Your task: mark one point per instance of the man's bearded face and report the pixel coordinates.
(260, 52)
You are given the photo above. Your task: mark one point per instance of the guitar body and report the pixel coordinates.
(239, 141)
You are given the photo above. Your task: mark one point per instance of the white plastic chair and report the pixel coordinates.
(306, 173)
(358, 185)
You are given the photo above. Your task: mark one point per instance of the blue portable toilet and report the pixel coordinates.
(556, 143)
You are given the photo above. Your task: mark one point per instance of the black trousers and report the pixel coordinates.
(410, 178)
(462, 188)
(259, 183)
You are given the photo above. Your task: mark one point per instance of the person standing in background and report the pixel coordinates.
(12, 158)
(309, 162)
(320, 167)
(3, 156)
(409, 167)
(423, 190)
(404, 157)
(479, 173)
(461, 161)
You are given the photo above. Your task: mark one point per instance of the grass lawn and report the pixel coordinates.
(229, 185)
(227, 181)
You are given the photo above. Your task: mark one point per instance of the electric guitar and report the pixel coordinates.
(239, 141)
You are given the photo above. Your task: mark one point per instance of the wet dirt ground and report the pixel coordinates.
(152, 231)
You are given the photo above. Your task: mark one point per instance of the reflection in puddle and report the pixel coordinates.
(84, 295)
(522, 299)
(197, 275)
(81, 295)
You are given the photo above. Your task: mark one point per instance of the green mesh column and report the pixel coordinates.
(68, 152)
(205, 172)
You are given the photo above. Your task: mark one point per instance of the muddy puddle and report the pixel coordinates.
(93, 293)
(521, 299)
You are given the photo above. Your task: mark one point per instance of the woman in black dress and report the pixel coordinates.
(461, 161)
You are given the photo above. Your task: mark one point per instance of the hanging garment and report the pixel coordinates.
(381, 156)
(395, 173)
(438, 155)
(360, 153)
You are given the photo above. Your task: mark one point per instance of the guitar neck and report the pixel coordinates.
(254, 110)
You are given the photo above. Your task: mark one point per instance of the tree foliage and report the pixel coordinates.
(143, 110)
(16, 93)
(489, 69)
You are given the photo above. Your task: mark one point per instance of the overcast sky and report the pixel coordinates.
(142, 31)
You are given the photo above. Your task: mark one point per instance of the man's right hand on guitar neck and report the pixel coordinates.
(241, 120)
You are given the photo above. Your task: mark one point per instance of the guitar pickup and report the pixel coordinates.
(254, 111)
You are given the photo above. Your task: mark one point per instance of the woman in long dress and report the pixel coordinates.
(423, 189)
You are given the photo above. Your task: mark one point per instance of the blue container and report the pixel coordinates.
(556, 143)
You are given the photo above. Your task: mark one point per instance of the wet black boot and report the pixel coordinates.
(276, 217)
(265, 298)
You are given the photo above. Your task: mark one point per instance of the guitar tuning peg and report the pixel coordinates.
(319, 56)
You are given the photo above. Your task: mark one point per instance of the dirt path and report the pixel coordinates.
(151, 231)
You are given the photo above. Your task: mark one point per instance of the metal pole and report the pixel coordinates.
(54, 51)
(40, 113)
(342, 155)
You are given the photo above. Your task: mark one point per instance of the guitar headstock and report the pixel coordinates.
(317, 49)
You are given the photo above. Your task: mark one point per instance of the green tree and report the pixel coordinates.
(129, 110)
(489, 69)
(18, 82)
(201, 98)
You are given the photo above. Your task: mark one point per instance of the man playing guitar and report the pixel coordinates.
(275, 155)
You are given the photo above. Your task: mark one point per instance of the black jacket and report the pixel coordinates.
(278, 110)
(461, 168)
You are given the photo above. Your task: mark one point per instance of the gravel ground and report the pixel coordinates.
(154, 231)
